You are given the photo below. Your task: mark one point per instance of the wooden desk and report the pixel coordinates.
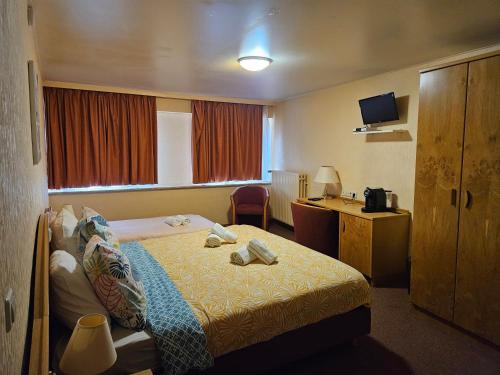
(376, 244)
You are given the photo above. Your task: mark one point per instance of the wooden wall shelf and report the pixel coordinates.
(379, 131)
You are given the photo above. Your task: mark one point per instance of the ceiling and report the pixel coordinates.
(190, 46)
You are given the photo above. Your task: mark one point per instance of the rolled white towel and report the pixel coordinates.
(173, 221)
(223, 233)
(261, 251)
(213, 240)
(242, 257)
(177, 220)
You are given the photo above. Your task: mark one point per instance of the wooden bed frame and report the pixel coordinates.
(39, 350)
(280, 350)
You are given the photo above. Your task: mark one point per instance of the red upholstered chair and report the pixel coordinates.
(250, 200)
(316, 228)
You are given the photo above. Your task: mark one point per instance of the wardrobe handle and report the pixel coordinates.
(468, 202)
(454, 197)
(343, 226)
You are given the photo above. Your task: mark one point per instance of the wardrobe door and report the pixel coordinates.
(477, 296)
(437, 188)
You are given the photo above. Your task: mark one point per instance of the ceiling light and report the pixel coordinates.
(254, 63)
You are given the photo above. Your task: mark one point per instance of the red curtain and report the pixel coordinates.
(226, 141)
(97, 138)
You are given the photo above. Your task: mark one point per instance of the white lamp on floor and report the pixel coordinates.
(326, 175)
(90, 349)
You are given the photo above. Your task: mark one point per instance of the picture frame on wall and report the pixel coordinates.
(34, 112)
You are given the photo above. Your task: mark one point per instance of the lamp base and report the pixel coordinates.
(325, 193)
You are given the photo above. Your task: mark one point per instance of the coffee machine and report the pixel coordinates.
(375, 200)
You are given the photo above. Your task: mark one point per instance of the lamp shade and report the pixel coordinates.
(326, 175)
(90, 349)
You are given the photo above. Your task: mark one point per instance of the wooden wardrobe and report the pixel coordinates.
(456, 227)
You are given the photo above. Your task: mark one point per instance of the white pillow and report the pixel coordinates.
(72, 294)
(64, 230)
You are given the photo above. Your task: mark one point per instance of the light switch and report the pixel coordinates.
(9, 310)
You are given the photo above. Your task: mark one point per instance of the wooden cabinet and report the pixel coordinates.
(477, 294)
(456, 246)
(355, 242)
(378, 248)
(437, 188)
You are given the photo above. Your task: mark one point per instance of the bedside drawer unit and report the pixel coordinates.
(378, 248)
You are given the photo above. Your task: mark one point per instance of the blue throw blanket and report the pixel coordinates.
(177, 333)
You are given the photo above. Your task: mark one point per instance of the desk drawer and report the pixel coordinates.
(356, 243)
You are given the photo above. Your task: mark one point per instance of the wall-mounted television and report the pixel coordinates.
(380, 108)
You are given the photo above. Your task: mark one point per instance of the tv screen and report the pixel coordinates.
(380, 108)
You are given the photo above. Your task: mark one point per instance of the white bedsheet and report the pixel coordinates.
(142, 229)
(135, 350)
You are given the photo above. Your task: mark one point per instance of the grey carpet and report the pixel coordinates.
(404, 340)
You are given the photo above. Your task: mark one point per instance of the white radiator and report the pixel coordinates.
(286, 187)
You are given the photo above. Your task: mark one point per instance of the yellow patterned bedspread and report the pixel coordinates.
(240, 306)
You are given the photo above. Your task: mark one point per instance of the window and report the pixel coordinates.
(174, 148)
(267, 140)
(174, 156)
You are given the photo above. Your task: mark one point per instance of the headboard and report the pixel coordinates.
(39, 351)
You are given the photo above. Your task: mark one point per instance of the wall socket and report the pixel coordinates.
(348, 194)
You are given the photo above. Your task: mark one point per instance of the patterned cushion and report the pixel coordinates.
(90, 225)
(91, 214)
(115, 283)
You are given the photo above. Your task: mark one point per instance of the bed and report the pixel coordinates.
(153, 227)
(305, 303)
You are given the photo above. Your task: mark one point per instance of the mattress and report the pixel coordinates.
(241, 306)
(153, 227)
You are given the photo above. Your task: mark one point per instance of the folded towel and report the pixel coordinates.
(223, 233)
(261, 251)
(213, 240)
(242, 257)
(177, 220)
(184, 219)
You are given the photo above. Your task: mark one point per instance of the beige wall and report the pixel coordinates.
(173, 105)
(211, 202)
(23, 186)
(316, 129)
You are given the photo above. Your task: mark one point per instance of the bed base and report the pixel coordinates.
(294, 345)
(283, 349)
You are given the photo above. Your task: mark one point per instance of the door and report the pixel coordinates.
(355, 243)
(437, 188)
(477, 297)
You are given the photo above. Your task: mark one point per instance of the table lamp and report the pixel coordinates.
(326, 175)
(90, 349)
